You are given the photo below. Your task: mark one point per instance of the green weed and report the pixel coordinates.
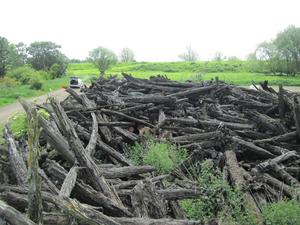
(220, 199)
(18, 124)
(285, 212)
(162, 155)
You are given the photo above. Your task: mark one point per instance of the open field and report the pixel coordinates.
(233, 72)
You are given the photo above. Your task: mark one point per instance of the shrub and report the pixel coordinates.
(285, 212)
(22, 74)
(36, 84)
(219, 201)
(18, 124)
(162, 155)
(27, 75)
(7, 82)
(57, 70)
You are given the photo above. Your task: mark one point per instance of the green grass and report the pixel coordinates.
(286, 212)
(231, 72)
(10, 94)
(162, 155)
(246, 78)
(220, 199)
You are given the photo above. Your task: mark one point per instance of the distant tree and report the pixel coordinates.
(22, 52)
(282, 55)
(269, 59)
(233, 58)
(14, 58)
(4, 52)
(75, 61)
(219, 56)
(103, 58)
(190, 55)
(43, 55)
(287, 43)
(127, 55)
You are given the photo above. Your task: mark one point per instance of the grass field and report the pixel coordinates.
(181, 71)
(234, 72)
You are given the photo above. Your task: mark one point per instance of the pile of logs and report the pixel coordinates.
(76, 172)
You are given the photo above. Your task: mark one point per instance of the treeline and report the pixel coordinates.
(280, 56)
(22, 64)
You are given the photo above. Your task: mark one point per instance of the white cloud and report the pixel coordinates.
(156, 30)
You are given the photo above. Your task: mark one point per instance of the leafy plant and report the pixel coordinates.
(220, 200)
(36, 84)
(7, 82)
(18, 124)
(162, 155)
(286, 212)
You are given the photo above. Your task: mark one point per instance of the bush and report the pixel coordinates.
(162, 155)
(7, 82)
(282, 213)
(27, 75)
(36, 84)
(219, 201)
(57, 70)
(18, 124)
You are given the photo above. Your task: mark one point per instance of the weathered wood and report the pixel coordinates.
(147, 202)
(35, 208)
(238, 180)
(85, 191)
(13, 216)
(84, 159)
(16, 160)
(54, 137)
(250, 146)
(69, 183)
(296, 109)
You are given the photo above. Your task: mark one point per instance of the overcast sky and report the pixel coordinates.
(156, 30)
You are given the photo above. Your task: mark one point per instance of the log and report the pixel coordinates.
(239, 181)
(13, 216)
(35, 208)
(255, 149)
(69, 183)
(16, 160)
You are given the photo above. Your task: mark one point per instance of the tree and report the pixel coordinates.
(281, 55)
(269, 59)
(14, 58)
(22, 52)
(127, 55)
(190, 55)
(4, 52)
(43, 55)
(103, 58)
(287, 43)
(219, 56)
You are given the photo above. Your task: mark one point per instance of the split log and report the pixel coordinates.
(13, 216)
(16, 160)
(35, 209)
(238, 180)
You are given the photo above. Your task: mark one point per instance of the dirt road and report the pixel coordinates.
(8, 110)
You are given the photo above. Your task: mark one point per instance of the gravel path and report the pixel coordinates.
(8, 110)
